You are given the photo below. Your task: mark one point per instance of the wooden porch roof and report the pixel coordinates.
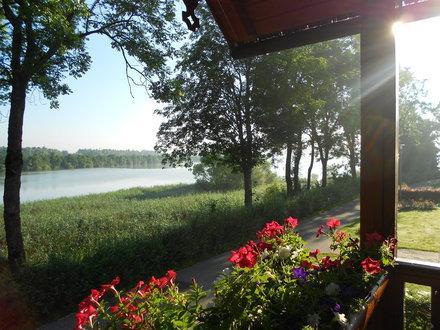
(253, 27)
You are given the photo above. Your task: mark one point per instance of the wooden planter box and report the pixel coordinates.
(360, 320)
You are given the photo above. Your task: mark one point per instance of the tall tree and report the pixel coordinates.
(210, 111)
(331, 95)
(282, 81)
(43, 41)
(419, 131)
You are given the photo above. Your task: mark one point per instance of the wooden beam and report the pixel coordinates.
(297, 39)
(379, 128)
(418, 272)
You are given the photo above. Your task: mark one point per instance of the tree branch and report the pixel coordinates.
(9, 14)
(103, 28)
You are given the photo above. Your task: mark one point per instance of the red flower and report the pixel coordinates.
(320, 231)
(327, 263)
(308, 265)
(291, 222)
(171, 276)
(244, 257)
(86, 313)
(271, 230)
(111, 286)
(374, 238)
(114, 309)
(261, 246)
(371, 266)
(333, 223)
(314, 254)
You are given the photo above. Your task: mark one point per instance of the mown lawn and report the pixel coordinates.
(417, 230)
(75, 244)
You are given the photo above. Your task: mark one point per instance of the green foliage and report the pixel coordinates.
(417, 307)
(214, 175)
(209, 111)
(43, 159)
(44, 41)
(74, 244)
(419, 131)
(272, 291)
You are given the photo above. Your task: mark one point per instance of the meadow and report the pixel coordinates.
(74, 244)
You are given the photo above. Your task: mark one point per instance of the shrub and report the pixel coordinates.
(214, 175)
(271, 281)
(421, 205)
(425, 194)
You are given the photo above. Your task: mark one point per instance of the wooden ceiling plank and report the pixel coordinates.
(298, 39)
(308, 16)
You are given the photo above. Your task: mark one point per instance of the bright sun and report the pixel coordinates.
(419, 50)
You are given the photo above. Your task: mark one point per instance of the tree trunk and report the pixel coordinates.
(288, 178)
(324, 172)
(312, 161)
(247, 176)
(298, 155)
(13, 167)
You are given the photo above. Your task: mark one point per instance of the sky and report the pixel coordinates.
(101, 113)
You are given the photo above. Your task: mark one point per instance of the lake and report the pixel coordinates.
(67, 183)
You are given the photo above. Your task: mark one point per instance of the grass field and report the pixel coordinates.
(75, 244)
(415, 230)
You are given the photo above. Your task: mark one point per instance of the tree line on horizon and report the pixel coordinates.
(44, 159)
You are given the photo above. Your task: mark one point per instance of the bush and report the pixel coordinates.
(424, 194)
(421, 205)
(214, 175)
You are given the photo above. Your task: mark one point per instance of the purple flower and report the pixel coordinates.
(336, 308)
(299, 273)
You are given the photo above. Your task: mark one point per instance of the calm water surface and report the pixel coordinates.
(66, 183)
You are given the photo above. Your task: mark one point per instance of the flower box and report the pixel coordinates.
(274, 282)
(362, 318)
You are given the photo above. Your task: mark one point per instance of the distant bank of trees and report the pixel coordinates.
(43, 159)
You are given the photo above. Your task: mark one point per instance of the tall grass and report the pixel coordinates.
(74, 244)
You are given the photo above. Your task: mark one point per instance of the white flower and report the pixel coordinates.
(341, 319)
(284, 252)
(226, 271)
(332, 289)
(313, 319)
(265, 254)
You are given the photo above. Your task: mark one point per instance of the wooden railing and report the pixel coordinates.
(390, 312)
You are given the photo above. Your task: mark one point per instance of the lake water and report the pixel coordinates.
(66, 183)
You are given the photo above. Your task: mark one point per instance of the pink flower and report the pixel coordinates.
(333, 223)
(244, 257)
(340, 235)
(371, 266)
(271, 230)
(291, 222)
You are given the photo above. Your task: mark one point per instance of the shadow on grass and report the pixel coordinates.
(163, 192)
(54, 289)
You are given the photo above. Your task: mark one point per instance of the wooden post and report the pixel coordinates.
(379, 128)
(435, 308)
(379, 150)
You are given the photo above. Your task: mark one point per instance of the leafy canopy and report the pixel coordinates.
(42, 41)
